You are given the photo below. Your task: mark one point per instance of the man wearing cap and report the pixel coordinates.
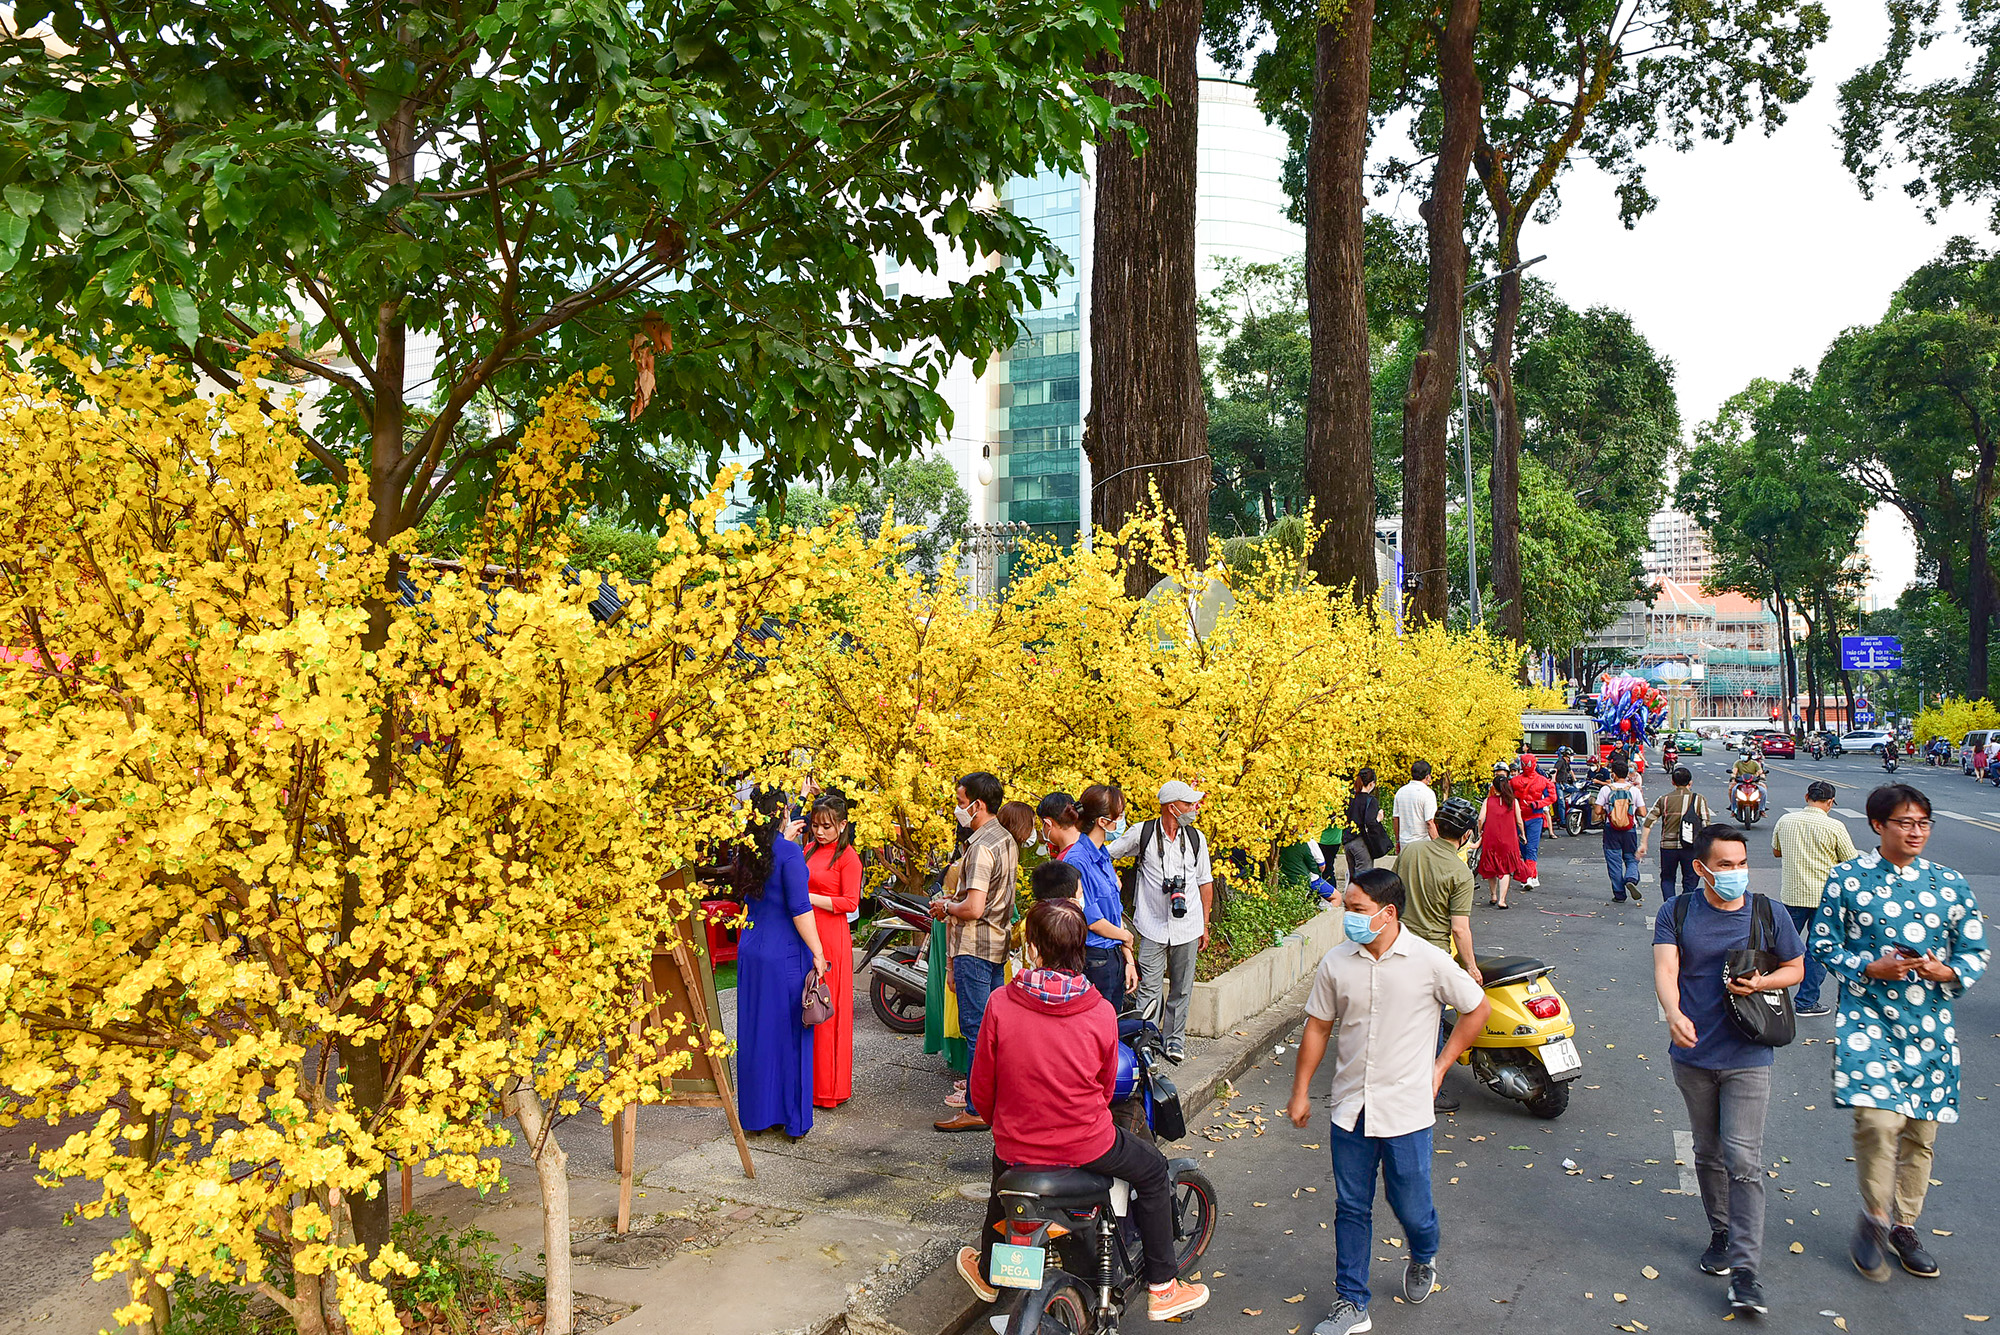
(1173, 895)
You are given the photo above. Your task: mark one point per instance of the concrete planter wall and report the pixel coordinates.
(1235, 996)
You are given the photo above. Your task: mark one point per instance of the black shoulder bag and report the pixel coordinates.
(1765, 1018)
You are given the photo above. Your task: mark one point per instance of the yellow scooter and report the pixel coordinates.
(1527, 1051)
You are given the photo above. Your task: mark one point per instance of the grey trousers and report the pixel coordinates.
(1726, 1110)
(1172, 967)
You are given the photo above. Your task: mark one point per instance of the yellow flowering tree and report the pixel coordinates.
(1952, 719)
(213, 902)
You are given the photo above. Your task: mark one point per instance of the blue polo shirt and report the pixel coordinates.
(1101, 900)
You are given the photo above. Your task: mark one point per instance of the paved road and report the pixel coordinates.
(1529, 1247)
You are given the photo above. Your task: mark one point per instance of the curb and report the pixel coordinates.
(940, 1304)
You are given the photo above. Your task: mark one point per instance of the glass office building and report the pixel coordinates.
(1036, 431)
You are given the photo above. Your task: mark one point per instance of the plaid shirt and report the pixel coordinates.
(991, 860)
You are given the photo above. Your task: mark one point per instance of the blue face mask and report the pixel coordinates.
(1360, 927)
(1732, 884)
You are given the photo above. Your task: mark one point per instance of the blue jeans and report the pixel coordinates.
(1405, 1163)
(1681, 860)
(1531, 846)
(1808, 997)
(974, 980)
(1621, 859)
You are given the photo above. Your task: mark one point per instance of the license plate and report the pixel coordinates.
(1559, 1055)
(1016, 1267)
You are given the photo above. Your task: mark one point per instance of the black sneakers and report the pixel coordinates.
(1715, 1261)
(1869, 1250)
(1746, 1294)
(1910, 1251)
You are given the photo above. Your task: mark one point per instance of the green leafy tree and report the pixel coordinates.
(462, 203)
(923, 493)
(1578, 578)
(1945, 130)
(1917, 398)
(1259, 360)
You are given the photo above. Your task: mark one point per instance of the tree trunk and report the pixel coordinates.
(1788, 667)
(1812, 676)
(1505, 484)
(1340, 448)
(1979, 575)
(1148, 423)
(1427, 405)
(552, 1176)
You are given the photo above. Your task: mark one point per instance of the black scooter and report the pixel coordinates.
(1083, 1220)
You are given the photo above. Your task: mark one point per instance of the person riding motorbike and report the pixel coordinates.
(1670, 754)
(1751, 767)
(1043, 1075)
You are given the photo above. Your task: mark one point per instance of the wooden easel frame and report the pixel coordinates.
(680, 977)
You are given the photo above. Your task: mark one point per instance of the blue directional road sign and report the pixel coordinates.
(1870, 653)
(1863, 715)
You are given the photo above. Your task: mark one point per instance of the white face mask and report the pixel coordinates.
(964, 815)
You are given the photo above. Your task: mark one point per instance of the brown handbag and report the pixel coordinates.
(816, 1006)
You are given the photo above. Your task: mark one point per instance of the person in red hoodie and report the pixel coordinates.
(1044, 1073)
(1535, 794)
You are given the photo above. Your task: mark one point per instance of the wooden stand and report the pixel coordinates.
(682, 983)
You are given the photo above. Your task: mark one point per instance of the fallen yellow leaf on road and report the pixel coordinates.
(1941, 1232)
(1296, 1298)
(1970, 1317)
(1840, 1321)
(1798, 1249)
(1617, 1297)
(1650, 1273)
(1253, 1311)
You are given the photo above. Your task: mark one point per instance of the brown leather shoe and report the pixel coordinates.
(964, 1121)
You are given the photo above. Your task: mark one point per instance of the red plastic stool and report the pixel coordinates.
(715, 915)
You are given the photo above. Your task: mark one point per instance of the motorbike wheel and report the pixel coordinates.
(1552, 1102)
(1066, 1307)
(1195, 1214)
(898, 1011)
(1575, 822)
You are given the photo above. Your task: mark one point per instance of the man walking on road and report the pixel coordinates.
(1724, 1079)
(1384, 990)
(1684, 813)
(1174, 892)
(1905, 938)
(1438, 892)
(1618, 804)
(980, 918)
(1415, 808)
(1810, 844)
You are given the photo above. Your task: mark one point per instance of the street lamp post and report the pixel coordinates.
(1465, 434)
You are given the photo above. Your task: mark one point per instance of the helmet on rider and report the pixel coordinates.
(1456, 818)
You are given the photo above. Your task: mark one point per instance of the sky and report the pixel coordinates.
(1760, 252)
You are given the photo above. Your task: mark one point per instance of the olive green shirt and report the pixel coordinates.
(1438, 887)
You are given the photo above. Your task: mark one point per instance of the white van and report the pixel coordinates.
(1542, 734)
(1973, 742)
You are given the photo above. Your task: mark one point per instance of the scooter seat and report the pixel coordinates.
(1056, 1186)
(1500, 970)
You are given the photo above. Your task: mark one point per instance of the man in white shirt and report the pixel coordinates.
(1384, 990)
(1416, 807)
(1621, 806)
(1172, 898)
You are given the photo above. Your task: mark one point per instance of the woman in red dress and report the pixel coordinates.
(1500, 836)
(833, 871)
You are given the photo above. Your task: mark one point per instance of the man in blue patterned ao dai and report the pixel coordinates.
(1904, 939)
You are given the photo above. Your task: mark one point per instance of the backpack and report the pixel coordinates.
(1618, 812)
(1693, 814)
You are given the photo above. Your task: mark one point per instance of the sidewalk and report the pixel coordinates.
(849, 1230)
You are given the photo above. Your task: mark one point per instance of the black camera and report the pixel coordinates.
(1176, 888)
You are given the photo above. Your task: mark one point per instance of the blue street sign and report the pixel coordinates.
(1863, 716)
(1870, 653)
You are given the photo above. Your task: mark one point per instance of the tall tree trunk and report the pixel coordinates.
(552, 1176)
(1788, 666)
(1812, 676)
(1339, 448)
(1427, 405)
(1979, 603)
(1505, 483)
(1148, 423)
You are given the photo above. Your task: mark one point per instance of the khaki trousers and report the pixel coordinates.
(1892, 1157)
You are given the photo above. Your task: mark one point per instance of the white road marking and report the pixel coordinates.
(1851, 815)
(1956, 816)
(1684, 1157)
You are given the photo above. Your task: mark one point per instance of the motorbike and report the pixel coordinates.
(1889, 760)
(1816, 749)
(1747, 800)
(1083, 1221)
(1527, 1050)
(898, 959)
(1576, 797)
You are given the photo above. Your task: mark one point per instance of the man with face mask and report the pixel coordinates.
(1383, 991)
(1724, 1078)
